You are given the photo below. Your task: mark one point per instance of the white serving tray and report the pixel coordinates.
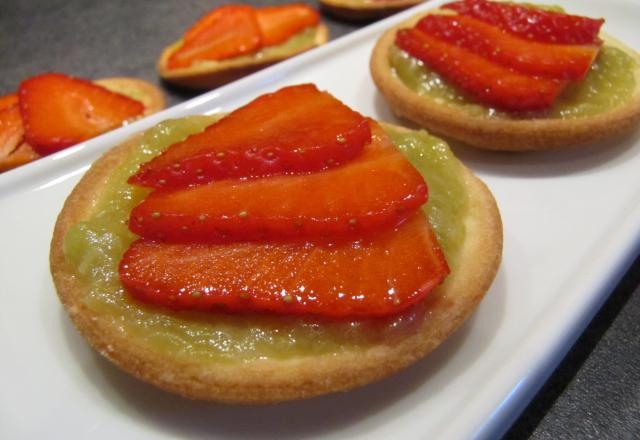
(571, 228)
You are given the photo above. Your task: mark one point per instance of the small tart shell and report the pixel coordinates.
(208, 76)
(495, 132)
(267, 381)
(361, 10)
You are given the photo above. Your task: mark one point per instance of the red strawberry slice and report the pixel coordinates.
(379, 188)
(59, 111)
(226, 32)
(561, 61)
(491, 84)
(11, 131)
(373, 276)
(8, 100)
(286, 132)
(532, 23)
(279, 23)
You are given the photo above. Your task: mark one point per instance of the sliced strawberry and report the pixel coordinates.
(286, 132)
(372, 276)
(226, 32)
(532, 23)
(561, 61)
(13, 150)
(489, 83)
(8, 100)
(59, 111)
(20, 156)
(11, 131)
(279, 23)
(379, 188)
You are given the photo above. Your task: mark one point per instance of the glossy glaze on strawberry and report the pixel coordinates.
(346, 241)
(226, 32)
(532, 23)
(376, 190)
(365, 277)
(560, 61)
(488, 82)
(295, 130)
(59, 111)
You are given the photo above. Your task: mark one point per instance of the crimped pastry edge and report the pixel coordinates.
(497, 133)
(269, 381)
(205, 76)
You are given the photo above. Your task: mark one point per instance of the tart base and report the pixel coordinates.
(495, 132)
(268, 381)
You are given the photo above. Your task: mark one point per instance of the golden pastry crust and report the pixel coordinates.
(357, 10)
(266, 381)
(494, 132)
(208, 76)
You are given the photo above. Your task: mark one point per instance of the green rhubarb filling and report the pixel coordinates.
(296, 43)
(610, 83)
(94, 248)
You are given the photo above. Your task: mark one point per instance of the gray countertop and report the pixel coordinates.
(595, 391)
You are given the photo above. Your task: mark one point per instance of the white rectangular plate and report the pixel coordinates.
(572, 225)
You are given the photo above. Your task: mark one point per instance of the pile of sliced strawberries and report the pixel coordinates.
(234, 30)
(506, 56)
(52, 111)
(310, 211)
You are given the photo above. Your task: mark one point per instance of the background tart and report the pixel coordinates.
(210, 74)
(149, 95)
(274, 378)
(500, 131)
(366, 9)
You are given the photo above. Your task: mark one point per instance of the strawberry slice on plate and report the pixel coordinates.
(59, 111)
(285, 132)
(372, 276)
(279, 23)
(226, 32)
(377, 189)
(487, 82)
(561, 61)
(532, 23)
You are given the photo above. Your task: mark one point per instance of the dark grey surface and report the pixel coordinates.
(594, 393)
(98, 39)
